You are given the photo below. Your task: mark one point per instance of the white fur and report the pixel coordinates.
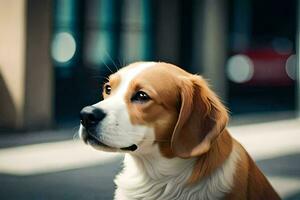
(116, 129)
(147, 174)
(154, 177)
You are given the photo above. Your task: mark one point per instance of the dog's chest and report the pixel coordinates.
(138, 188)
(144, 181)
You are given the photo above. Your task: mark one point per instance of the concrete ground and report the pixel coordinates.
(53, 165)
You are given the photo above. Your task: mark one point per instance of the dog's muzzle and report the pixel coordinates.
(90, 117)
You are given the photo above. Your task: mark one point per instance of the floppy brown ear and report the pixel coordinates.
(202, 118)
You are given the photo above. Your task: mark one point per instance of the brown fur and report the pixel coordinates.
(114, 82)
(162, 112)
(249, 181)
(258, 186)
(216, 156)
(190, 121)
(239, 190)
(202, 118)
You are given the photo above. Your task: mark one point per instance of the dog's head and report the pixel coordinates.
(150, 104)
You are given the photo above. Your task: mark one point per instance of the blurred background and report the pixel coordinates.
(55, 55)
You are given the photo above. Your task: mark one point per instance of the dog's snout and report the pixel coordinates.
(90, 116)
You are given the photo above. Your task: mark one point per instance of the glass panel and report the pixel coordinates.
(135, 39)
(261, 64)
(98, 47)
(99, 37)
(65, 10)
(63, 47)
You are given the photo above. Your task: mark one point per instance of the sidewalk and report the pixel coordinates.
(62, 168)
(275, 146)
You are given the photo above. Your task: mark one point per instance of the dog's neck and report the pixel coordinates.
(157, 167)
(152, 176)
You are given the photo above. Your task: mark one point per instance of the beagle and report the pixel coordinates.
(172, 128)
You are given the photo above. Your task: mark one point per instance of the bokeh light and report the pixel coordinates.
(63, 47)
(239, 68)
(282, 45)
(290, 66)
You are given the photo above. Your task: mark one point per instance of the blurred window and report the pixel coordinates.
(64, 40)
(91, 39)
(100, 32)
(261, 66)
(136, 30)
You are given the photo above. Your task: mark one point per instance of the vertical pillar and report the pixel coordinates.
(38, 73)
(210, 42)
(12, 62)
(25, 67)
(167, 33)
(298, 62)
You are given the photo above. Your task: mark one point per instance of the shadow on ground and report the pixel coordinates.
(88, 184)
(97, 182)
(283, 166)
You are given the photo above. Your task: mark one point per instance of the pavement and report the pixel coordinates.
(52, 164)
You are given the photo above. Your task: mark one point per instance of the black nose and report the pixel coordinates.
(90, 116)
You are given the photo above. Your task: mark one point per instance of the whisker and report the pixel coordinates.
(107, 54)
(107, 66)
(76, 134)
(91, 135)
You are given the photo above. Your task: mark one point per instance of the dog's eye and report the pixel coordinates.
(140, 97)
(107, 89)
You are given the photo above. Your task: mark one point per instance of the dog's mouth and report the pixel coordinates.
(130, 148)
(94, 141)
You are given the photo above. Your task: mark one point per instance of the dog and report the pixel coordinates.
(172, 128)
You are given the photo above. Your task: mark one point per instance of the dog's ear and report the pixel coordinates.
(201, 119)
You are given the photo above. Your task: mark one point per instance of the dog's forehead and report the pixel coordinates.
(129, 73)
(153, 73)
